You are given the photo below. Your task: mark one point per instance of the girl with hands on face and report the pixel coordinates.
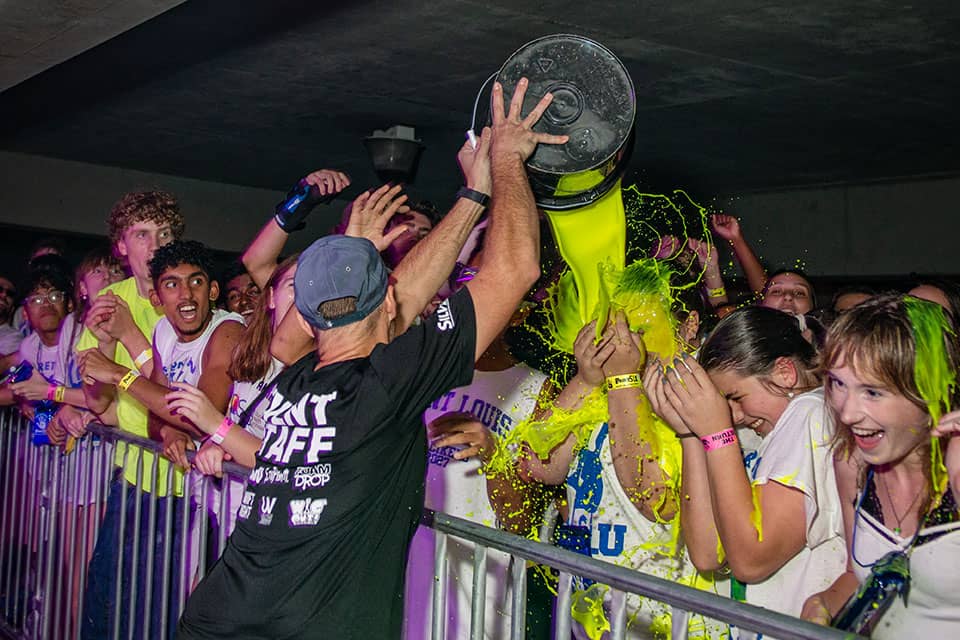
(778, 521)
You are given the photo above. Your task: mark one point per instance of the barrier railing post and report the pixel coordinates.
(151, 543)
(518, 606)
(118, 589)
(89, 511)
(7, 429)
(561, 614)
(618, 615)
(167, 553)
(439, 586)
(478, 603)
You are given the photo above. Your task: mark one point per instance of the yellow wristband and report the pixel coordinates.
(128, 379)
(58, 394)
(624, 381)
(145, 356)
(719, 292)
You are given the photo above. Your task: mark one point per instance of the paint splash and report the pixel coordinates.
(935, 379)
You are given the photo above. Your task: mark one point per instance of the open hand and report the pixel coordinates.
(194, 405)
(513, 136)
(371, 211)
(695, 398)
(328, 181)
(629, 352)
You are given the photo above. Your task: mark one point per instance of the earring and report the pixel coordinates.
(790, 395)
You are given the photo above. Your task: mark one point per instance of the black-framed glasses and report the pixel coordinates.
(53, 297)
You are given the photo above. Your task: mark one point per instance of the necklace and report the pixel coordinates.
(893, 508)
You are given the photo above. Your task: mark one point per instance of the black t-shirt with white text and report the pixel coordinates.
(323, 529)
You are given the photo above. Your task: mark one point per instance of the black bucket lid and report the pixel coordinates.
(593, 100)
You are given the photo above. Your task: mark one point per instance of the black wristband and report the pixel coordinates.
(480, 198)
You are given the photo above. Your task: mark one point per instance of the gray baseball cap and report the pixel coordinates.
(337, 266)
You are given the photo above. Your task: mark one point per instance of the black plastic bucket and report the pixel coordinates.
(593, 102)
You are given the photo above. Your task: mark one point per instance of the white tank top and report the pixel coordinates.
(933, 606)
(183, 361)
(499, 399)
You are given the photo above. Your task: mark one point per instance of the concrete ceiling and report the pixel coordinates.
(733, 95)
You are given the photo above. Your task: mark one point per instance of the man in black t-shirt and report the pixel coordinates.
(337, 489)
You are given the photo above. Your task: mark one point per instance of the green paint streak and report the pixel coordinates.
(934, 378)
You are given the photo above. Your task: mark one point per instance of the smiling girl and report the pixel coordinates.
(776, 525)
(891, 364)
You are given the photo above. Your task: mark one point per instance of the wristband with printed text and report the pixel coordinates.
(222, 431)
(624, 381)
(719, 440)
(128, 379)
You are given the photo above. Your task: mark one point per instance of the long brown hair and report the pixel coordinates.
(251, 357)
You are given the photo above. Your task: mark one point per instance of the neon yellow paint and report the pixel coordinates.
(756, 516)
(586, 607)
(934, 378)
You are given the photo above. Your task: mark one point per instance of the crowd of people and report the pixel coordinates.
(772, 450)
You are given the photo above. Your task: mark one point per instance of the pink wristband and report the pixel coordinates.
(719, 440)
(51, 392)
(222, 431)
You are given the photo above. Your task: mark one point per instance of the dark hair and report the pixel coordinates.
(796, 272)
(251, 357)
(180, 252)
(159, 207)
(750, 340)
(950, 290)
(52, 274)
(428, 209)
(56, 246)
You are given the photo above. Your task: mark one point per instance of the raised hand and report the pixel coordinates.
(706, 253)
(513, 136)
(666, 247)
(371, 211)
(727, 227)
(694, 398)
(653, 387)
(629, 352)
(327, 181)
(590, 354)
(475, 163)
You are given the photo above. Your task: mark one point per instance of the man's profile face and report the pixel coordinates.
(139, 241)
(186, 294)
(242, 295)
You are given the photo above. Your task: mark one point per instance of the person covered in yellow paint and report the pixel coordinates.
(775, 524)
(892, 365)
(620, 479)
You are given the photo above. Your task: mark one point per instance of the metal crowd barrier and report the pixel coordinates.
(52, 505)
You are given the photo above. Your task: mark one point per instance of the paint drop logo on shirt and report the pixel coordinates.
(306, 512)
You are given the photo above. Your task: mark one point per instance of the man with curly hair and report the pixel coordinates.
(119, 325)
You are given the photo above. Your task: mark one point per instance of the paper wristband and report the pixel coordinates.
(719, 292)
(128, 379)
(222, 431)
(625, 381)
(719, 440)
(145, 356)
(59, 393)
(51, 391)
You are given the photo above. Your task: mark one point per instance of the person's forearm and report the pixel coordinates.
(519, 504)
(732, 498)
(153, 397)
(512, 248)
(420, 274)
(97, 396)
(638, 471)
(696, 510)
(839, 592)
(260, 258)
(75, 397)
(755, 273)
(713, 284)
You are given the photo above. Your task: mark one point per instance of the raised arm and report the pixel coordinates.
(728, 228)
(511, 255)
(260, 258)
